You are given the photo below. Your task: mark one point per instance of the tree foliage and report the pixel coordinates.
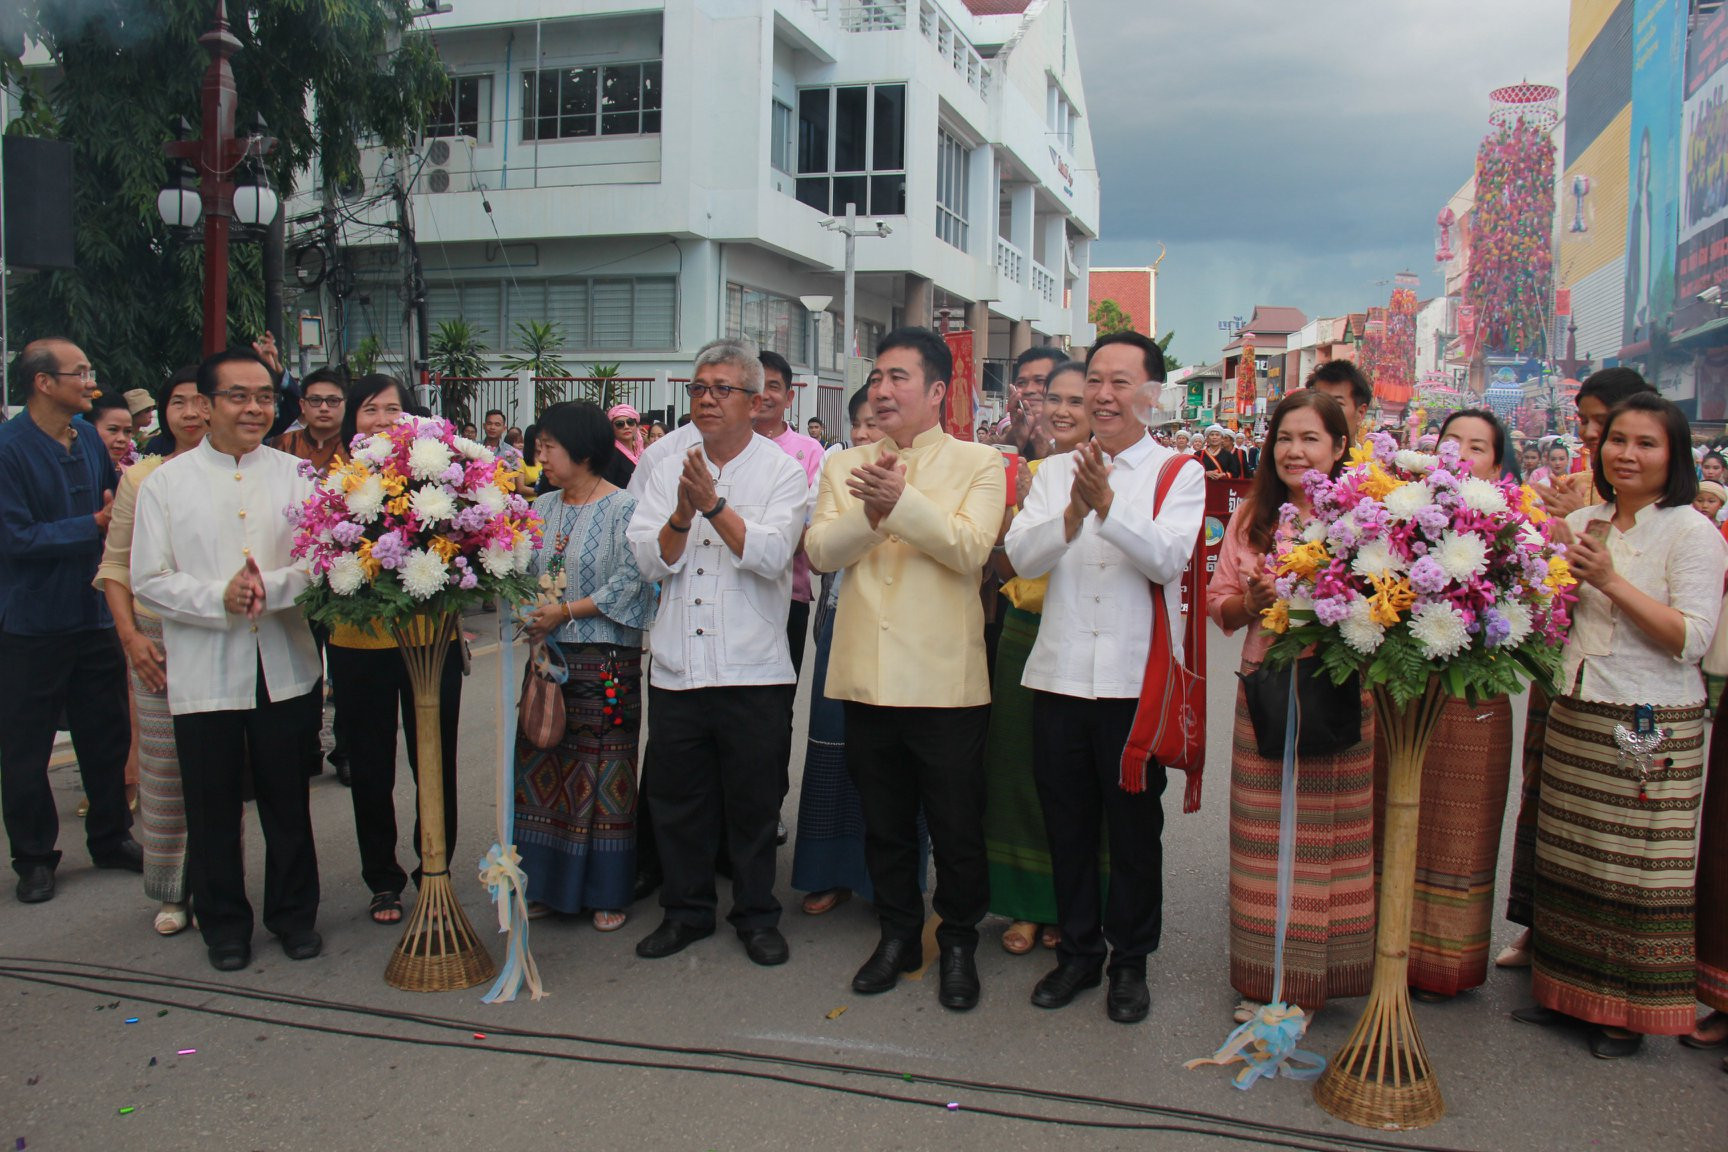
(1108, 317)
(326, 75)
(1171, 361)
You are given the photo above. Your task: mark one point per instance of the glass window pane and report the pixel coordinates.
(621, 88)
(812, 134)
(611, 314)
(888, 195)
(650, 122)
(530, 125)
(656, 319)
(651, 85)
(468, 105)
(851, 189)
(780, 136)
(851, 109)
(889, 131)
(576, 108)
(734, 310)
(814, 192)
(567, 307)
(546, 104)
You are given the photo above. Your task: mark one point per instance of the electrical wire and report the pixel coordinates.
(1173, 1119)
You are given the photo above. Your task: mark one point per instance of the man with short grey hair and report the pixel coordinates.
(717, 526)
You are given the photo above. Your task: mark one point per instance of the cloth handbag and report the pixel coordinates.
(1328, 715)
(540, 713)
(1170, 721)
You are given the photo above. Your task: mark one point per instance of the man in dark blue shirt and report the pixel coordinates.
(56, 487)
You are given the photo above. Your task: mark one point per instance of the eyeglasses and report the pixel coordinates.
(82, 375)
(719, 391)
(243, 398)
(320, 401)
(629, 423)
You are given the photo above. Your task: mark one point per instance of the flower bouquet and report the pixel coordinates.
(1430, 583)
(418, 523)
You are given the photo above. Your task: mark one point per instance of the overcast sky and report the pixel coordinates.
(1292, 153)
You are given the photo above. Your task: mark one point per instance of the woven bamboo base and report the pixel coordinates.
(439, 951)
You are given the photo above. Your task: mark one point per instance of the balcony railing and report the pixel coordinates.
(1010, 261)
(935, 27)
(1043, 282)
(872, 15)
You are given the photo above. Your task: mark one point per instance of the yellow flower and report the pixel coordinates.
(1276, 618)
(398, 506)
(368, 565)
(352, 478)
(394, 482)
(445, 547)
(1361, 454)
(1559, 574)
(1379, 483)
(1392, 595)
(1304, 559)
(1530, 505)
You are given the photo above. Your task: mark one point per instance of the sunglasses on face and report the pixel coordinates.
(624, 423)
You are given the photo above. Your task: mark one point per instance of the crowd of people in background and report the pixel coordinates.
(981, 615)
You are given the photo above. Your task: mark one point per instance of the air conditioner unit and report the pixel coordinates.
(446, 164)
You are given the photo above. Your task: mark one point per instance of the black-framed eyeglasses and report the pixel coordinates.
(719, 391)
(321, 401)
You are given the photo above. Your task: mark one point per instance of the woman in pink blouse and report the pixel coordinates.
(1329, 942)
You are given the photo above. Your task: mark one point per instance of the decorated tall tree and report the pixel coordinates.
(1511, 277)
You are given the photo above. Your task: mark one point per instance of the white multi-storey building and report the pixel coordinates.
(651, 174)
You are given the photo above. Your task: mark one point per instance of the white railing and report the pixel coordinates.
(1043, 282)
(953, 46)
(1010, 261)
(872, 15)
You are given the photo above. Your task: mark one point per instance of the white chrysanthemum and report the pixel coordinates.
(423, 573)
(1376, 558)
(1405, 500)
(1359, 629)
(332, 481)
(1462, 555)
(523, 554)
(427, 459)
(1482, 496)
(1313, 530)
(1411, 460)
(1528, 534)
(490, 497)
(470, 450)
(433, 504)
(1518, 615)
(375, 450)
(346, 575)
(366, 501)
(1439, 630)
(497, 561)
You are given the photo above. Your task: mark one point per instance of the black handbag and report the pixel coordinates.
(1328, 715)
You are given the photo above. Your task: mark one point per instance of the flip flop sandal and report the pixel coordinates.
(1020, 938)
(1693, 1040)
(606, 921)
(383, 903)
(1050, 936)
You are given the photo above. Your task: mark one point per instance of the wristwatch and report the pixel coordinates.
(716, 510)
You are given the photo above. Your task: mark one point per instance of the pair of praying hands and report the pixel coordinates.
(696, 491)
(244, 595)
(1091, 488)
(878, 486)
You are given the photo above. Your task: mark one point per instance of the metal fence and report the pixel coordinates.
(467, 399)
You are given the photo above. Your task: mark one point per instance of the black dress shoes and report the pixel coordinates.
(882, 971)
(958, 988)
(1606, 1047)
(302, 945)
(230, 957)
(645, 886)
(1541, 1017)
(672, 937)
(35, 883)
(127, 855)
(1063, 982)
(765, 946)
(1128, 1001)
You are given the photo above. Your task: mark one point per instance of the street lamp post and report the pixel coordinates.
(850, 230)
(213, 157)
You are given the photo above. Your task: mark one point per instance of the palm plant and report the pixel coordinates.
(541, 343)
(603, 375)
(363, 361)
(457, 356)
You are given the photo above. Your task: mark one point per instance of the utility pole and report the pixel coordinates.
(850, 230)
(417, 346)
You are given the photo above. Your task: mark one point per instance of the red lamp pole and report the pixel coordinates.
(216, 153)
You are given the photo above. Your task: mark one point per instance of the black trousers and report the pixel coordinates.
(1076, 764)
(899, 759)
(719, 762)
(797, 631)
(372, 691)
(83, 673)
(213, 747)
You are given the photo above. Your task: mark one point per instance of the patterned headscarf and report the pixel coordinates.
(632, 448)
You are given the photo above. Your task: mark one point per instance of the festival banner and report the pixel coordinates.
(1703, 252)
(1658, 59)
(962, 390)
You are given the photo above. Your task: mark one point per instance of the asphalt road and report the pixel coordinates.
(706, 1051)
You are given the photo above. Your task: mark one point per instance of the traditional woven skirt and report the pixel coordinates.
(1464, 780)
(576, 803)
(1021, 885)
(1523, 880)
(1329, 940)
(1713, 875)
(1613, 937)
(161, 806)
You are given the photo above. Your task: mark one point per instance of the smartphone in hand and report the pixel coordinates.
(1597, 530)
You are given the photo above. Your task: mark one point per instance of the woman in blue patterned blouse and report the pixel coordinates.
(576, 803)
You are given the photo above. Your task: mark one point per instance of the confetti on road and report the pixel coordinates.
(33, 1081)
(131, 1019)
(953, 1106)
(186, 1052)
(128, 1110)
(837, 1013)
(162, 1012)
(479, 1035)
(152, 1063)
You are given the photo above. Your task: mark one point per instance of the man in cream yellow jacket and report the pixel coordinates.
(912, 519)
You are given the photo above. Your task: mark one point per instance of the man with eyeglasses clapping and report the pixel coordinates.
(717, 526)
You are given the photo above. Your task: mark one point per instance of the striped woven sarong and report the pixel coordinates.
(1021, 884)
(1329, 942)
(1713, 875)
(1464, 779)
(1522, 882)
(1613, 932)
(161, 806)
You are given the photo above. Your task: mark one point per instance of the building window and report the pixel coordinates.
(782, 151)
(601, 314)
(465, 111)
(953, 172)
(777, 323)
(1060, 116)
(597, 100)
(852, 149)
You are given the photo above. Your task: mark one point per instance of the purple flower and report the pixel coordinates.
(1370, 517)
(1384, 446)
(347, 533)
(390, 550)
(469, 579)
(1331, 609)
(1426, 575)
(1285, 586)
(452, 474)
(1432, 519)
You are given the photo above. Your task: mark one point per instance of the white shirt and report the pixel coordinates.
(199, 517)
(722, 618)
(679, 441)
(1097, 625)
(1674, 556)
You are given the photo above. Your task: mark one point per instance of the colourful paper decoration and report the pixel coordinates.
(1511, 265)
